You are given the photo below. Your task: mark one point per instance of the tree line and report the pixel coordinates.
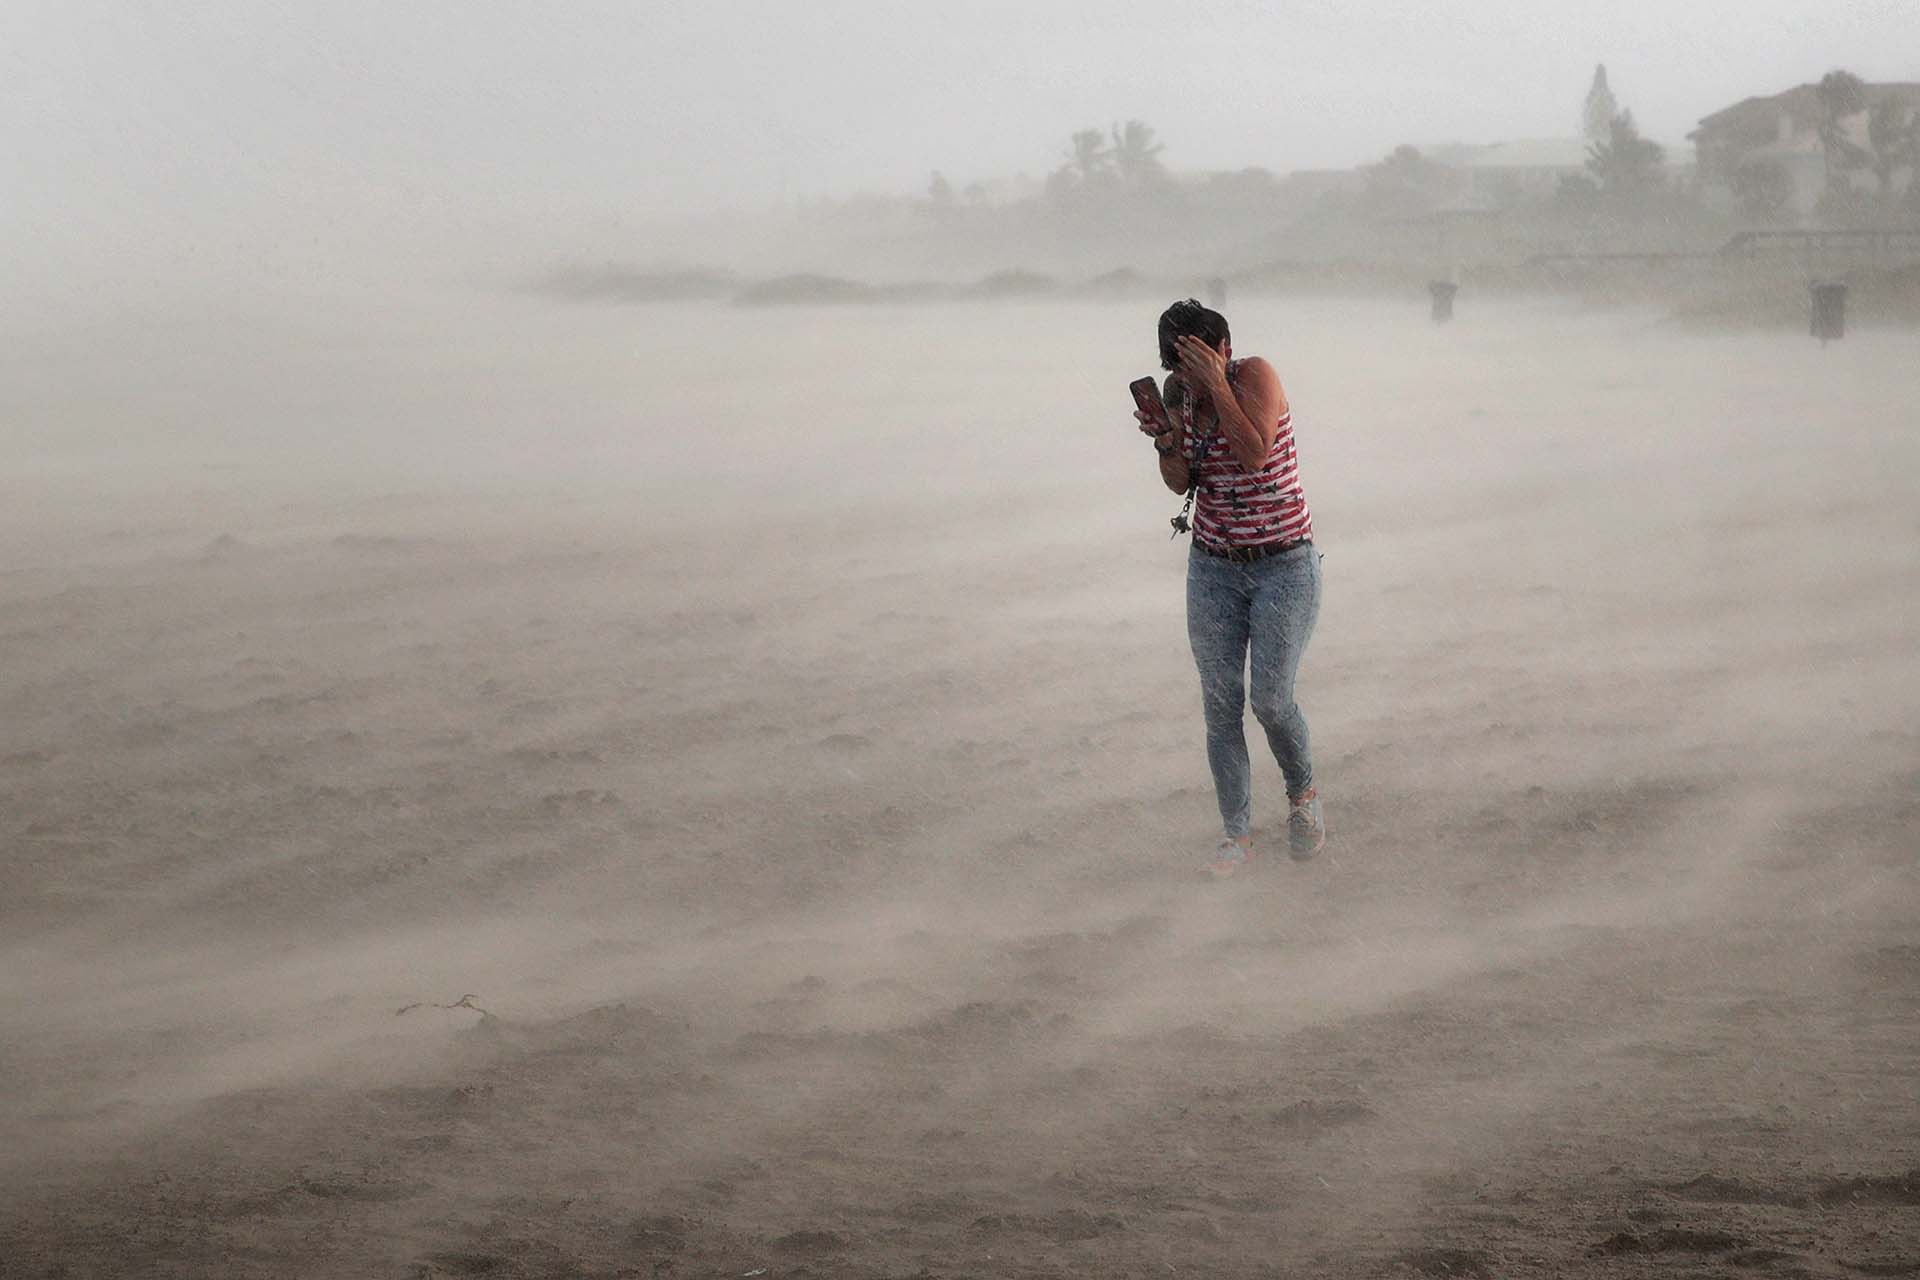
(1625, 175)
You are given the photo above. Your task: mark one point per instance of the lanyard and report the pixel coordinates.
(1181, 524)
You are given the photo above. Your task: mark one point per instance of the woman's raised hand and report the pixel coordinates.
(1206, 366)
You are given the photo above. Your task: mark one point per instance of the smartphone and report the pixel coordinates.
(1146, 394)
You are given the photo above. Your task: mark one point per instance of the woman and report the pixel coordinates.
(1253, 576)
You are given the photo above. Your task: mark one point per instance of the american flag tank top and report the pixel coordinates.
(1236, 507)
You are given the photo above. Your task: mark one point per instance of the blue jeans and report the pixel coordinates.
(1265, 608)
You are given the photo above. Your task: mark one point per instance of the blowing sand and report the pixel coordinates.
(779, 723)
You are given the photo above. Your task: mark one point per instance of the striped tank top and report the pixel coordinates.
(1236, 507)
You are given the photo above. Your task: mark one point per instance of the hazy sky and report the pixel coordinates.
(194, 133)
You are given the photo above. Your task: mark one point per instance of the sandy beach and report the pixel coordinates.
(772, 730)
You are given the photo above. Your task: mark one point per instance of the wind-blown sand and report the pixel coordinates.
(780, 725)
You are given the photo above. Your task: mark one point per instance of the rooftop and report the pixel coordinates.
(1800, 103)
(1529, 153)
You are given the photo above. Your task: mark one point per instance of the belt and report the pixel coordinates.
(1247, 555)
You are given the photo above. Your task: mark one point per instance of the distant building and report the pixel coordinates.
(1524, 171)
(1783, 131)
(1527, 169)
(1311, 184)
(1468, 175)
(1476, 176)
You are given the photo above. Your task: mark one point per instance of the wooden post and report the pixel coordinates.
(1829, 311)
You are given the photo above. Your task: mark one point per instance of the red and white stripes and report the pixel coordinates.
(1240, 508)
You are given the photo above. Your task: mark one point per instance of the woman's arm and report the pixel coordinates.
(1250, 413)
(1249, 408)
(1169, 442)
(1174, 472)
(1166, 443)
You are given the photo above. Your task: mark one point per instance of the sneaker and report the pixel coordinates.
(1230, 858)
(1306, 833)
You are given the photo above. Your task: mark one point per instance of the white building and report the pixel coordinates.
(1782, 132)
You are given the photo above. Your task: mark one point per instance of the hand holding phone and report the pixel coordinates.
(1152, 411)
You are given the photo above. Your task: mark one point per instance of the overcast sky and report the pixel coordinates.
(200, 125)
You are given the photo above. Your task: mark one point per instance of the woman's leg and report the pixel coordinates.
(1217, 629)
(1286, 603)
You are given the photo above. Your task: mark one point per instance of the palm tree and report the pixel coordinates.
(1088, 156)
(1841, 94)
(1136, 155)
(1893, 136)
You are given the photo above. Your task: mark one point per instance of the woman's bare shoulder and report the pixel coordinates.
(1257, 376)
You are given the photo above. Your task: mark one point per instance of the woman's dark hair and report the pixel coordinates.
(1189, 317)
